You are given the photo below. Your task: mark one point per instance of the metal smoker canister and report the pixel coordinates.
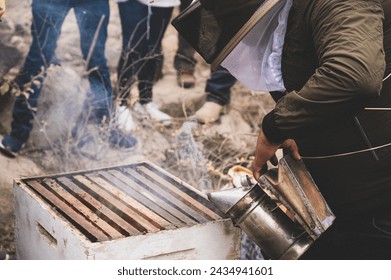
(263, 221)
(253, 209)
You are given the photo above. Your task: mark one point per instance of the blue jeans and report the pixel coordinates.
(218, 86)
(48, 17)
(142, 33)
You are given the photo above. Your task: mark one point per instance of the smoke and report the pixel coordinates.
(191, 157)
(59, 105)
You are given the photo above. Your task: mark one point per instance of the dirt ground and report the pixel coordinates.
(198, 154)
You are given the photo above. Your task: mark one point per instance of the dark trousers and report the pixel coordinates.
(48, 17)
(218, 86)
(143, 28)
(184, 58)
(358, 191)
(364, 238)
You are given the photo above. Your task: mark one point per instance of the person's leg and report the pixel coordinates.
(218, 94)
(159, 18)
(142, 35)
(218, 87)
(184, 61)
(48, 17)
(93, 18)
(133, 16)
(134, 24)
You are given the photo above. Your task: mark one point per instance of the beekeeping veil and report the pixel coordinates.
(244, 36)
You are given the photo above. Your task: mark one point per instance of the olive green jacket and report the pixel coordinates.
(335, 57)
(333, 63)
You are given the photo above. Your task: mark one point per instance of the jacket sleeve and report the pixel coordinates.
(348, 39)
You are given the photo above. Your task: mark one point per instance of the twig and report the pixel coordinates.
(95, 38)
(184, 109)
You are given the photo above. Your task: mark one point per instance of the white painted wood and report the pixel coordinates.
(42, 233)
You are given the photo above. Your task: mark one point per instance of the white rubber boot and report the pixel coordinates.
(124, 119)
(157, 115)
(209, 112)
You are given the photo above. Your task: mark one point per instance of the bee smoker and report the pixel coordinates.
(283, 214)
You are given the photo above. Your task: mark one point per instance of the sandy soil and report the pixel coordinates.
(213, 148)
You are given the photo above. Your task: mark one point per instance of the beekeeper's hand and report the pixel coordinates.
(266, 151)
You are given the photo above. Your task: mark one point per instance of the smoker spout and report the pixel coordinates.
(224, 200)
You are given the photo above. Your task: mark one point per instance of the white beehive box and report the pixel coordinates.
(137, 211)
